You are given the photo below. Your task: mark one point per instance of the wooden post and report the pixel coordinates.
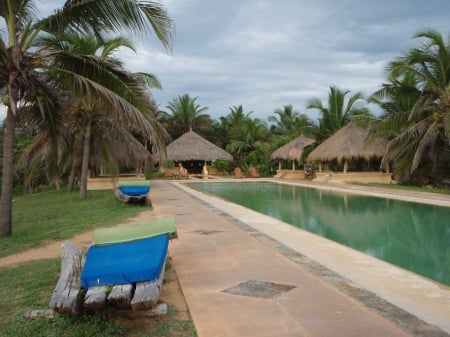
(146, 294)
(95, 298)
(65, 298)
(121, 295)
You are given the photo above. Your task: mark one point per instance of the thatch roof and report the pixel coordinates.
(348, 143)
(191, 146)
(286, 151)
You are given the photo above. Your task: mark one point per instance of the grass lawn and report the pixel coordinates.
(56, 215)
(52, 214)
(410, 188)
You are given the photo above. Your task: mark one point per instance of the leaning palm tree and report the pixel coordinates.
(23, 67)
(339, 111)
(422, 128)
(97, 116)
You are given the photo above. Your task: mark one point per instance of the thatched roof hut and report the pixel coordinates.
(346, 144)
(191, 146)
(292, 150)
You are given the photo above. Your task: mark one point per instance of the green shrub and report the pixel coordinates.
(220, 164)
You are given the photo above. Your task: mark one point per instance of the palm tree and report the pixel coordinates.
(339, 111)
(49, 139)
(396, 99)
(418, 105)
(186, 114)
(291, 123)
(237, 115)
(232, 123)
(96, 118)
(23, 67)
(247, 136)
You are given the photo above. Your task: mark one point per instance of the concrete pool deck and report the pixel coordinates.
(310, 286)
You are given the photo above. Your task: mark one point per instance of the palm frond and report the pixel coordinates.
(112, 16)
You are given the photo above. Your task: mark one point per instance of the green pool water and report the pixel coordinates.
(413, 236)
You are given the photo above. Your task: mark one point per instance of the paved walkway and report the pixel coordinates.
(242, 275)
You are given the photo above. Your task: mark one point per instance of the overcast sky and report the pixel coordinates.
(266, 54)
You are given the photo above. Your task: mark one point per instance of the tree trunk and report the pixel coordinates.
(71, 180)
(85, 160)
(7, 176)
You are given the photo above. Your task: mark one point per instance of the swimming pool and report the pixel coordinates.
(410, 235)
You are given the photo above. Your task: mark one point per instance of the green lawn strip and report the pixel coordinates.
(50, 215)
(408, 188)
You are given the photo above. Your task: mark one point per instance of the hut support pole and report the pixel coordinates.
(388, 167)
(345, 166)
(320, 166)
(279, 165)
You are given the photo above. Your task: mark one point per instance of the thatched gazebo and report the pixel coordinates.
(194, 150)
(346, 144)
(292, 150)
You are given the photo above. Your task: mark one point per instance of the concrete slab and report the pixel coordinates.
(221, 245)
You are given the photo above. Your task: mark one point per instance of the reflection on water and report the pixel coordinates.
(410, 235)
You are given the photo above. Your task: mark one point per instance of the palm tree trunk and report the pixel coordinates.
(85, 160)
(7, 176)
(72, 176)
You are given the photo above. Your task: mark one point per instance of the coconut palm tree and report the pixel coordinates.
(396, 99)
(186, 114)
(236, 115)
(49, 138)
(249, 135)
(420, 116)
(97, 119)
(291, 123)
(23, 67)
(339, 112)
(233, 122)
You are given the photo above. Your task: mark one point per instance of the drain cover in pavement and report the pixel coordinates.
(206, 231)
(259, 289)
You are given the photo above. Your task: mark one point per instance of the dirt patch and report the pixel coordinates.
(50, 250)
